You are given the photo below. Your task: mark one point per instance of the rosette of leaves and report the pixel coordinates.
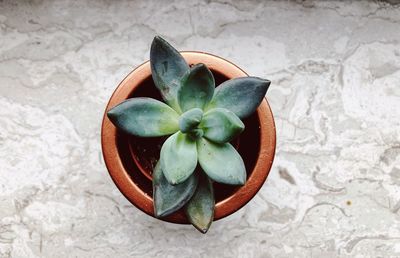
(201, 120)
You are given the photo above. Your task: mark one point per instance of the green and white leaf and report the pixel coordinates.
(221, 125)
(145, 117)
(197, 89)
(170, 198)
(200, 209)
(221, 162)
(178, 158)
(168, 68)
(242, 95)
(190, 119)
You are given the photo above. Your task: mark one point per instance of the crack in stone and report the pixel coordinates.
(355, 241)
(323, 186)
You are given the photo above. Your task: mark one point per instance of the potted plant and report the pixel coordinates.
(181, 161)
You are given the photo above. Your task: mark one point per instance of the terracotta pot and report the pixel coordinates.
(130, 159)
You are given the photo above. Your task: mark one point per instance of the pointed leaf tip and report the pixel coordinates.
(241, 95)
(200, 208)
(156, 39)
(168, 68)
(145, 117)
(170, 198)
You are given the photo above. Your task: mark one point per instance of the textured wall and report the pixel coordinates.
(334, 187)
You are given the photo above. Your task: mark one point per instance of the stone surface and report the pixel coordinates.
(335, 71)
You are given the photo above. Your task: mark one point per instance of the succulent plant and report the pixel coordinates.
(202, 119)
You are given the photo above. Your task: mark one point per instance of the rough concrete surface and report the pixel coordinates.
(334, 189)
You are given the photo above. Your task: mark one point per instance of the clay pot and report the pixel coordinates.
(130, 160)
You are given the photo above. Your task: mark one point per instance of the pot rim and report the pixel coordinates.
(135, 194)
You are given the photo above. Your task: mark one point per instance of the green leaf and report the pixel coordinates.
(242, 95)
(196, 133)
(221, 162)
(197, 89)
(168, 68)
(190, 119)
(221, 125)
(178, 158)
(170, 198)
(145, 117)
(200, 209)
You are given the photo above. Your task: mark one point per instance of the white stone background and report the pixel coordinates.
(335, 71)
